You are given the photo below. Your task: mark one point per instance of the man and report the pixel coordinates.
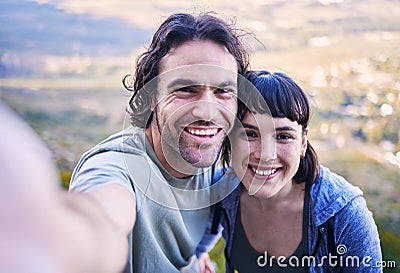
(152, 179)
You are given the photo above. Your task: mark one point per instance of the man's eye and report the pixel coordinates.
(221, 90)
(224, 91)
(186, 89)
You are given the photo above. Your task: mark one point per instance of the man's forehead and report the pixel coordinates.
(200, 75)
(200, 55)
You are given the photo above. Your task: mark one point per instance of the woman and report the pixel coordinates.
(290, 214)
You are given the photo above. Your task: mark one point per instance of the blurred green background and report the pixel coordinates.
(61, 64)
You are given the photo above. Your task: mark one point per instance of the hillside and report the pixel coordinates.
(31, 34)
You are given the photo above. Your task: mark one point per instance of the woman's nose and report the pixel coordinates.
(265, 150)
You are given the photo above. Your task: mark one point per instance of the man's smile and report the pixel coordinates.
(202, 132)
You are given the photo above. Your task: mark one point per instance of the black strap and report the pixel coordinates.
(321, 232)
(331, 237)
(327, 228)
(216, 218)
(217, 207)
(306, 214)
(332, 248)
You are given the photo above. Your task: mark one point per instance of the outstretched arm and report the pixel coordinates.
(44, 229)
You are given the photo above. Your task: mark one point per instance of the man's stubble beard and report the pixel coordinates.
(177, 151)
(200, 156)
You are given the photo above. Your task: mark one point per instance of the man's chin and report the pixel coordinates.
(201, 162)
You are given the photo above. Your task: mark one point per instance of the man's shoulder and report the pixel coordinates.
(130, 140)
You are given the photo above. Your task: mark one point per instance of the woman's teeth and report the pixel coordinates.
(263, 172)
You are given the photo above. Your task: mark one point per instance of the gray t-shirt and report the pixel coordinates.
(171, 213)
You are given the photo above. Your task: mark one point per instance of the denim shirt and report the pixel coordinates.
(354, 230)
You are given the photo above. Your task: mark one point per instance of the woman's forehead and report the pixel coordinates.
(266, 121)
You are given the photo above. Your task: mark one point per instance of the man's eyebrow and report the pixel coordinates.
(230, 86)
(182, 82)
(189, 82)
(227, 84)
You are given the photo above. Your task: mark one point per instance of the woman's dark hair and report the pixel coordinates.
(174, 31)
(282, 98)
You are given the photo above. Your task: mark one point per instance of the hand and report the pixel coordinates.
(205, 263)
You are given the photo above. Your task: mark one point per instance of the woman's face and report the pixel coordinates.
(266, 155)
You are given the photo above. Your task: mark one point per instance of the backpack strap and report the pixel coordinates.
(327, 228)
(321, 232)
(218, 206)
(216, 218)
(332, 248)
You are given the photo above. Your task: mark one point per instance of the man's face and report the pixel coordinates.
(197, 103)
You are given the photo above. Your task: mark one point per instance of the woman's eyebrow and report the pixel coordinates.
(249, 126)
(285, 128)
(282, 128)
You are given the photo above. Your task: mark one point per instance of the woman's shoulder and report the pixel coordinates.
(332, 184)
(331, 193)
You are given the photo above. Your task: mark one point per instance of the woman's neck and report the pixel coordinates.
(289, 196)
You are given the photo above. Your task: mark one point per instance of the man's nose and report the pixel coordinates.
(206, 107)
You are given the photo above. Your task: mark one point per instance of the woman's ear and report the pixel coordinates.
(304, 143)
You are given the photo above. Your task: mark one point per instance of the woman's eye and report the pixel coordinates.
(284, 137)
(249, 134)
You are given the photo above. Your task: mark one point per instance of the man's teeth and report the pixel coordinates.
(203, 132)
(264, 172)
